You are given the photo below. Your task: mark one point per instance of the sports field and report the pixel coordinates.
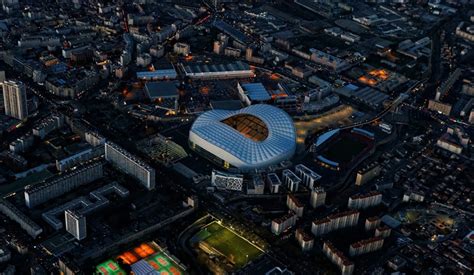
(153, 255)
(235, 248)
(109, 267)
(164, 264)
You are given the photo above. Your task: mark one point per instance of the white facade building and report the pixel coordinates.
(291, 180)
(227, 181)
(273, 183)
(318, 197)
(75, 224)
(308, 176)
(281, 224)
(130, 164)
(251, 138)
(14, 99)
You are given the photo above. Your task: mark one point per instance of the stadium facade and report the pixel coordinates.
(251, 138)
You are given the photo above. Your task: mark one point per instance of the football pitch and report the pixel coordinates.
(235, 248)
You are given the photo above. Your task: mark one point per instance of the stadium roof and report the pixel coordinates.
(267, 135)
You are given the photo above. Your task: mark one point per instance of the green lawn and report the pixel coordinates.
(236, 249)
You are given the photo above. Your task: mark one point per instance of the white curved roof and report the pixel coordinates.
(225, 142)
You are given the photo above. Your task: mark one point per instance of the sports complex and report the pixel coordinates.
(216, 239)
(339, 149)
(253, 137)
(143, 259)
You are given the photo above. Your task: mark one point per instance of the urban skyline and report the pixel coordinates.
(240, 137)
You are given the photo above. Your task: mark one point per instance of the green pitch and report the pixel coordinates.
(164, 264)
(237, 250)
(109, 267)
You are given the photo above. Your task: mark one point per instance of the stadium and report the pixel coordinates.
(340, 149)
(251, 138)
(216, 239)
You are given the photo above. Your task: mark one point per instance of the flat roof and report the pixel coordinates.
(165, 73)
(164, 89)
(230, 105)
(256, 91)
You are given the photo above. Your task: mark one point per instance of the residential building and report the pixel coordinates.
(318, 197)
(284, 223)
(130, 164)
(75, 224)
(14, 99)
(362, 201)
(334, 222)
(308, 176)
(291, 180)
(305, 240)
(57, 186)
(366, 246)
(294, 205)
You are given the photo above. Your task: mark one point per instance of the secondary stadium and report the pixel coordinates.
(340, 149)
(216, 239)
(254, 137)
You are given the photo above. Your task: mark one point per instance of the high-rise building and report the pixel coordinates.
(294, 205)
(281, 224)
(42, 192)
(334, 222)
(130, 164)
(362, 201)
(318, 197)
(75, 224)
(337, 257)
(291, 180)
(371, 223)
(366, 246)
(305, 240)
(273, 182)
(383, 231)
(14, 98)
(308, 176)
(368, 173)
